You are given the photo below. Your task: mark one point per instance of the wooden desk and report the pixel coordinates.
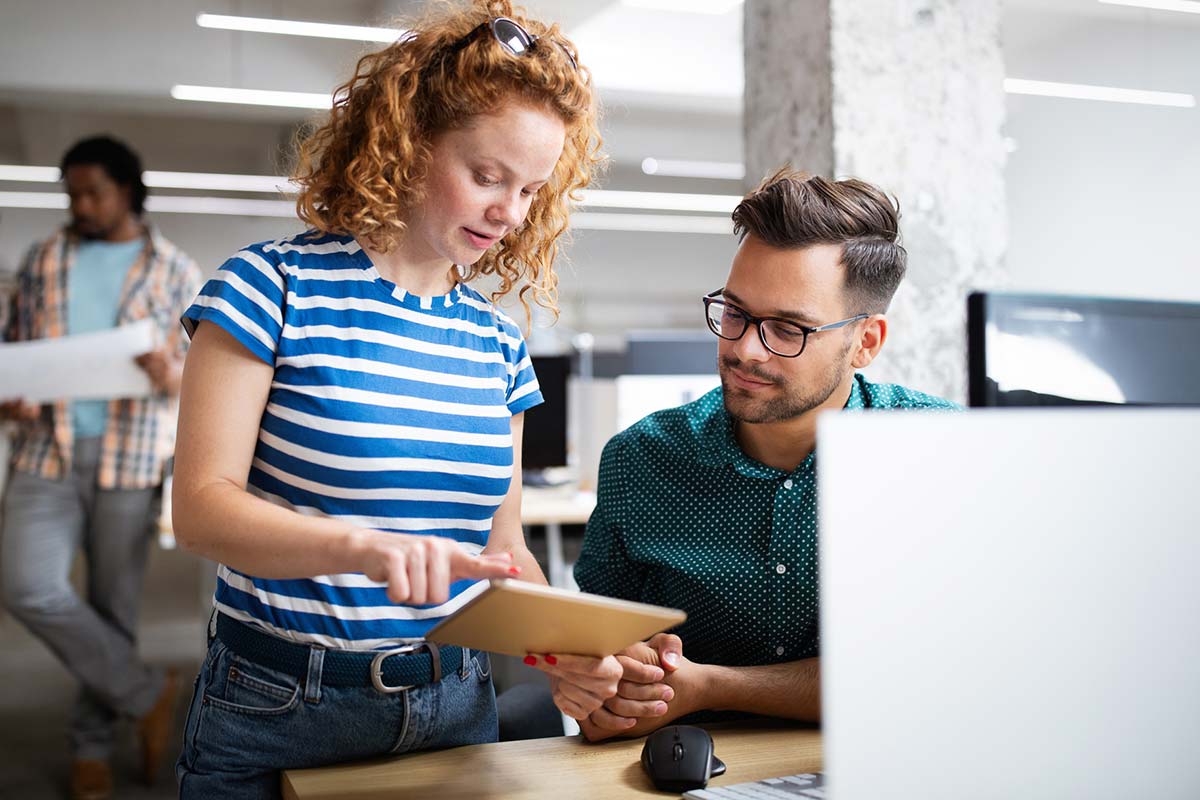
(566, 766)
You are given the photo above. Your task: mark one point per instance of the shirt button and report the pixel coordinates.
(778, 651)
(787, 484)
(780, 568)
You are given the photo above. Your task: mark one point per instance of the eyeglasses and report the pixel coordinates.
(780, 336)
(511, 36)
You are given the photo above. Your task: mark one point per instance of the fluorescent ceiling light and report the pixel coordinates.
(218, 182)
(660, 201)
(212, 181)
(272, 184)
(12, 172)
(721, 170)
(686, 6)
(221, 205)
(1082, 91)
(1186, 6)
(252, 97)
(165, 205)
(651, 223)
(289, 27)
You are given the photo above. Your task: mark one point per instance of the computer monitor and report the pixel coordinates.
(671, 352)
(1010, 609)
(544, 441)
(664, 369)
(1050, 350)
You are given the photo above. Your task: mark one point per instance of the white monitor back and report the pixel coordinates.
(1010, 603)
(641, 395)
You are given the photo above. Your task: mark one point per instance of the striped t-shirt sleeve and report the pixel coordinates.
(523, 390)
(246, 299)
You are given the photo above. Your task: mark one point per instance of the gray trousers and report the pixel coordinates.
(45, 522)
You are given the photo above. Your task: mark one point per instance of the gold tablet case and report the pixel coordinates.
(517, 618)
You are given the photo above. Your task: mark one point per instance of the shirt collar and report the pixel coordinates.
(856, 401)
(719, 446)
(160, 246)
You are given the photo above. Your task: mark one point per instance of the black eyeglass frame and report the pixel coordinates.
(527, 39)
(806, 330)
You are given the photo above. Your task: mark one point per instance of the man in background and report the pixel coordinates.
(711, 507)
(85, 473)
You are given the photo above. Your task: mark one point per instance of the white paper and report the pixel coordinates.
(85, 366)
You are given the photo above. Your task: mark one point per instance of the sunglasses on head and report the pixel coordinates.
(511, 36)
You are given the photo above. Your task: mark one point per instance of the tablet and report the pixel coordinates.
(518, 618)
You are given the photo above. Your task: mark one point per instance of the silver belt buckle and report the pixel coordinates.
(408, 649)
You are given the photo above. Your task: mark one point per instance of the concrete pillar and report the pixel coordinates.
(908, 95)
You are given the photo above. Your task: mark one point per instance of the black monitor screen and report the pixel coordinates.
(1038, 350)
(544, 442)
(671, 352)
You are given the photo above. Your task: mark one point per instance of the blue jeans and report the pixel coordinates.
(247, 722)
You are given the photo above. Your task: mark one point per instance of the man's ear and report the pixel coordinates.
(871, 337)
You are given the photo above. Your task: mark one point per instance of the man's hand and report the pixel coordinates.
(164, 368)
(579, 683)
(658, 686)
(19, 411)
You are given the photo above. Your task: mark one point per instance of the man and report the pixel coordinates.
(85, 473)
(711, 507)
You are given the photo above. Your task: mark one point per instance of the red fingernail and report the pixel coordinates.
(531, 660)
(514, 571)
(551, 660)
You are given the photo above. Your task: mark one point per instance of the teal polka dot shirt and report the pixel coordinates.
(685, 519)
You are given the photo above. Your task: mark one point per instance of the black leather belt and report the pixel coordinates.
(388, 671)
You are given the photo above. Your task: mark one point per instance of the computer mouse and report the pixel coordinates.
(679, 758)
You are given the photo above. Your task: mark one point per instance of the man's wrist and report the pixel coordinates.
(710, 685)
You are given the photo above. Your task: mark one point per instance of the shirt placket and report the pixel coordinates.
(783, 519)
(792, 564)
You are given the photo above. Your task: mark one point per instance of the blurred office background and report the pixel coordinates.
(1090, 196)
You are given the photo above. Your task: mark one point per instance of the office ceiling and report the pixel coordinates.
(670, 82)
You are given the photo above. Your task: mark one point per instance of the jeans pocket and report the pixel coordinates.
(481, 665)
(252, 689)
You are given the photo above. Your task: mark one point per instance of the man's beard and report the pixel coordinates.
(792, 402)
(90, 230)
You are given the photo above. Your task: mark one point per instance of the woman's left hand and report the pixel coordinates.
(580, 684)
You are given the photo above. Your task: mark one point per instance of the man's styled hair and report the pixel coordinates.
(364, 167)
(792, 209)
(117, 159)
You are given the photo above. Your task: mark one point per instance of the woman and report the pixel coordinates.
(351, 411)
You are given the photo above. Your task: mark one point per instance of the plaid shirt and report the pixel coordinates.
(140, 434)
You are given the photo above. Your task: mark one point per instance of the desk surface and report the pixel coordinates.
(564, 766)
(563, 505)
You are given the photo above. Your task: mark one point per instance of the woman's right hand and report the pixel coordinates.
(19, 410)
(418, 570)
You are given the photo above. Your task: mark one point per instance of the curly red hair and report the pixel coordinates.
(365, 167)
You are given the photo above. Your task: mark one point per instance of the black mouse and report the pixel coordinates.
(679, 758)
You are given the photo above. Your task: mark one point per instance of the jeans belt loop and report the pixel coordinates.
(312, 681)
(377, 666)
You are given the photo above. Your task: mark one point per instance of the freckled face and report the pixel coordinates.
(481, 181)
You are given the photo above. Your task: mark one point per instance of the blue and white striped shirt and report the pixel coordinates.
(387, 410)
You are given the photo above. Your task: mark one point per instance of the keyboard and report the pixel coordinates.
(789, 787)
